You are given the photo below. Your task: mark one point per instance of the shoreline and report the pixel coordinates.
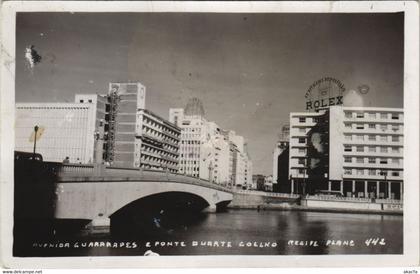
(278, 207)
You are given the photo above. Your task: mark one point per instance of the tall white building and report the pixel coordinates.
(135, 136)
(356, 151)
(65, 129)
(207, 151)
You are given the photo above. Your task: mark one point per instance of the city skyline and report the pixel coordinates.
(241, 66)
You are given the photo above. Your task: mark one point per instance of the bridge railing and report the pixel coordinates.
(95, 172)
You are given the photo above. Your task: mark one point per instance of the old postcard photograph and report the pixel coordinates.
(209, 134)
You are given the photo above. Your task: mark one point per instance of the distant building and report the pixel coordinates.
(258, 181)
(207, 151)
(65, 129)
(281, 167)
(268, 183)
(352, 150)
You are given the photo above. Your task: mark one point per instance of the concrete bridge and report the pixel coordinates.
(98, 192)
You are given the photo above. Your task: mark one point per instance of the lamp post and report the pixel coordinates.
(36, 132)
(385, 173)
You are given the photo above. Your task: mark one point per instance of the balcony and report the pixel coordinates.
(376, 120)
(374, 165)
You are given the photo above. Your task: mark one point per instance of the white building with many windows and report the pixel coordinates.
(209, 152)
(64, 129)
(357, 151)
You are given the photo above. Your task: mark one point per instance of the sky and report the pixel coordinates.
(249, 70)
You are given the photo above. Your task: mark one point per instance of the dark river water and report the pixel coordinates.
(236, 232)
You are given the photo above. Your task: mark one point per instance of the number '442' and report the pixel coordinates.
(375, 241)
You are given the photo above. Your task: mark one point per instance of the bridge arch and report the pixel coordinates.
(95, 200)
(160, 212)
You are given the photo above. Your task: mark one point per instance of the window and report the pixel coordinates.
(348, 114)
(372, 137)
(395, 150)
(372, 160)
(384, 127)
(360, 137)
(302, 140)
(384, 138)
(394, 116)
(301, 171)
(360, 160)
(372, 149)
(347, 125)
(360, 171)
(302, 119)
(395, 138)
(347, 171)
(372, 115)
(372, 172)
(395, 173)
(347, 137)
(301, 161)
(384, 115)
(395, 161)
(302, 150)
(347, 159)
(360, 149)
(81, 101)
(360, 126)
(395, 128)
(90, 100)
(384, 149)
(302, 130)
(383, 161)
(360, 115)
(372, 126)
(347, 148)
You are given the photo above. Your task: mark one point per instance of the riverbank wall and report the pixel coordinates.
(276, 201)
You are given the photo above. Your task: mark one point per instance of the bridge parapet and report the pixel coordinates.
(102, 173)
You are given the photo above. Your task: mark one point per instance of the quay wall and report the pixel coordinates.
(261, 200)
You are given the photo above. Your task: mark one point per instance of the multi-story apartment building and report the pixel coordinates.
(353, 150)
(137, 137)
(159, 146)
(64, 129)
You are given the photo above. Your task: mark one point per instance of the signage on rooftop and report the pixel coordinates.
(324, 93)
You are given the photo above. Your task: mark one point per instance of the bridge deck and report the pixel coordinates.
(100, 173)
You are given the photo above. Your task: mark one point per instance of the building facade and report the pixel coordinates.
(207, 151)
(64, 129)
(136, 137)
(352, 150)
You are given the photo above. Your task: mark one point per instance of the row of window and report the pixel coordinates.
(372, 137)
(189, 129)
(371, 160)
(383, 127)
(372, 115)
(158, 126)
(382, 149)
(190, 142)
(371, 172)
(313, 119)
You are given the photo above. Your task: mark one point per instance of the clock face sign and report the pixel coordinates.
(323, 93)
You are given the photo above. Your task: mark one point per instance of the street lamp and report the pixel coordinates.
(385, 173)
(36, 132)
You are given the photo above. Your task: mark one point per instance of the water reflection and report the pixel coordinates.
(241, 232)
